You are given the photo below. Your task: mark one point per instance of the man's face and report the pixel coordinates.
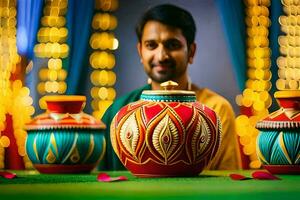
(164, 52)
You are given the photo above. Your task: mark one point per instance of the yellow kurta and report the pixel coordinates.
(228, 156)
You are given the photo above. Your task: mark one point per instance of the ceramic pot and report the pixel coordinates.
(165, 133)
(64, 139)
(278, 144)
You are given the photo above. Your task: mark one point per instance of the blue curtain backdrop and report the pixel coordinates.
(29, 13)
(232, 17)
(80, 14)
(275, 11)
(28, 20)
(79, 17)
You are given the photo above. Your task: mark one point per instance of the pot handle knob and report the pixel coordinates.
(168, 85)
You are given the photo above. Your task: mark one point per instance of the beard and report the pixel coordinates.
(160, 75)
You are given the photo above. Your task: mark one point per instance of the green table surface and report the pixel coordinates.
(208, 185)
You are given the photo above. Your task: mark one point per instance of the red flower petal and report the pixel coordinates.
(238, 177)
(8, 175)
(104, 177)
(262, 175)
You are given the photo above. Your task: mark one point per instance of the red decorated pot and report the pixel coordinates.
(64, 139)
(166, 133)
(278, 144)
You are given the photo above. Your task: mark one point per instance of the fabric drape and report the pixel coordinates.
(274, 33)
(29, 13)
(79, 17)
(232, 17)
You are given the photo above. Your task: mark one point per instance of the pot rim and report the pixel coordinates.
(169, 92)
(64, 127)
(60, 98)
(287, 94)
(169, 96)
(266, 124)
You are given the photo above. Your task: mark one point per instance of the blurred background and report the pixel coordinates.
(212, 67)
(54, 47)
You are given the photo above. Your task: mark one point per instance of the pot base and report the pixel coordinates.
(63, 169)
(283, 169)
(153, 169)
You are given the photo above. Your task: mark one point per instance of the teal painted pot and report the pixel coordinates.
(64, 139)
(278, 144)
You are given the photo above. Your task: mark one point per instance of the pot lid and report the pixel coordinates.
(64, 112)
(282, 118)
(168, 94)
(288, 116)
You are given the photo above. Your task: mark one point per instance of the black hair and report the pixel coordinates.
(170, 15)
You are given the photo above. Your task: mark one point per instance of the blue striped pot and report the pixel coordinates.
(64, 139)
(278, 144)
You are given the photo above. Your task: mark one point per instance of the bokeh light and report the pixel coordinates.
(102, 59)
(255, 97)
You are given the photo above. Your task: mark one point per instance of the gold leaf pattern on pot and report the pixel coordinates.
(129, 135)
(165, 138)
(113, 138)
(200, 138)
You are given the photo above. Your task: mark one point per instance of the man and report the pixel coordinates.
(166, 47)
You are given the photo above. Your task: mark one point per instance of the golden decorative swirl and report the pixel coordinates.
(75, 156)
(113, 133)
(220, 130)
(297, 159)
(50, 157)
(35, 148)
(103, 150)
(165, 138)
(53, 143)
(260, 155)
(72, 148)
(129, 134)
(59, 116)
(276, 113)
(200, 138)
(283, 148)
(91, 148)
(289, 112)
(192, 121)
(195, 139)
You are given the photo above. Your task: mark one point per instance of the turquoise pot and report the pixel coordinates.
(64, 139)
(65, 150)
(278, 144)
(279, 147)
